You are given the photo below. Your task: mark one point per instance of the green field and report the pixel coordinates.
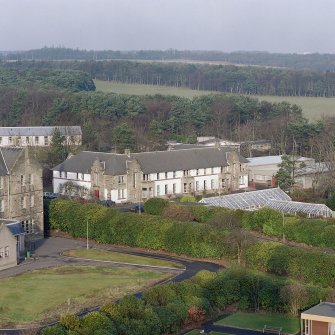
(44, 295)
(256, 321)
(104, 255)
(313, 108)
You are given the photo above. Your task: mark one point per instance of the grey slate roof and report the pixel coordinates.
(323, 309)
(151, 162)
(8, 157)
(39, 131)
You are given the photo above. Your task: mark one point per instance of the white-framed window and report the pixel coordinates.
(197, 172)
(212, 184)
(166, 175)
(27, 140)
(10, 140)
(166, 189)
(205, 171)
(22, 180)
(46, 140)
(174, 174)
(121, 193)
(37, 140)
(63, 174)
(145, 177)
(174, 188)
(197, 185)
(186, 173)
(212, 170)
(30, 179)
(157, 176)
(158, 189)
(185, 188)
(205, 184)
(223, 183)
(7, 251)
(120, 179)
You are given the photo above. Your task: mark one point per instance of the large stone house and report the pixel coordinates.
(38, 136)
(21, 189)
(133, 177)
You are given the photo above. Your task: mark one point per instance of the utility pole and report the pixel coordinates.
(87, 233)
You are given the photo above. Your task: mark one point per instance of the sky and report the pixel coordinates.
(286, 26)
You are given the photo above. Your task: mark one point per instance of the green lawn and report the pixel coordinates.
(104, 255)
(44, 295)
(313, 108)
(257, 321)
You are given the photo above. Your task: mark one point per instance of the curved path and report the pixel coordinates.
(48, 254)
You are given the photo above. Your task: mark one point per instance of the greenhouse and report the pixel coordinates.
(247, 200)
(273, 198)
(294, 207)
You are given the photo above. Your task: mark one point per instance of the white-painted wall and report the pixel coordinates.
(24, 141)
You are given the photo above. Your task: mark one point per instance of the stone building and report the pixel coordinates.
(38, 136)
(21, 189)
(140, 176)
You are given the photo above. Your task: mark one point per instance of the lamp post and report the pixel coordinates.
(87, 233)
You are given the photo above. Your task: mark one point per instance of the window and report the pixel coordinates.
(134, 180)
(205, 184)
(27, 140)
(32, 201)
(166, 189)
(120, 179)
(27, 226)
(157, 176)
(158, 190)
(212, 170)
(36, 139)
(30, 179)
(174, 174)
(145, 177)
(80, 176)
(166, 175)
(23, 202)
(212, 184)
(223, 183)
(10, 140)
(121, 193)
(197, 172)
(2, 205)
(205, 171)
(19, 140)
(197, 185)
(63, 174)
(174, 188)
(46, 140)
(185, 188)
(186, 173)
(7, 251)
(1, 252)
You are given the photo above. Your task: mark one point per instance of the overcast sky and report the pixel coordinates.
(226, 25)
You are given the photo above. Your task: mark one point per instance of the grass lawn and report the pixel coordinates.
(104, 255)
(257, 321)
(43, 295)
(313, 108)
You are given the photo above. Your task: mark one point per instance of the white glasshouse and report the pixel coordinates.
(273, 198)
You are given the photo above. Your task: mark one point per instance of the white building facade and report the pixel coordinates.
(140, 176)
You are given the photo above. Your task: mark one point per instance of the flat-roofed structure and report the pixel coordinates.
(319, 320)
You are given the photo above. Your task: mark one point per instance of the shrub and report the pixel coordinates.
(179, 213)
(95, 321)
(155, 206)
(54, 330)
(187, 198)
(70, 322)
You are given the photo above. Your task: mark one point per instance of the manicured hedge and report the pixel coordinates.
(149, 231)
(303, 265)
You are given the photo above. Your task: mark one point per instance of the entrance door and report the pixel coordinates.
(96, 193)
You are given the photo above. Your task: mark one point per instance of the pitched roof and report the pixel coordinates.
(8, 157)
(39, 131)
(246, 200)
(150, 162)
(323, 309)
(15, 229)
(270, 160)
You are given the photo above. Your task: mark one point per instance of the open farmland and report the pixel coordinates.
(313, 108)
(26, 298)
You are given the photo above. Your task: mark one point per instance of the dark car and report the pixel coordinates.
(137, 208)
(108, 203)
(49, 195)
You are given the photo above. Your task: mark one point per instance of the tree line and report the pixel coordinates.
(310, 61)
(221, 78)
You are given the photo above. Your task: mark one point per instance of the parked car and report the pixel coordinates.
(49, 195)
(137, 208)
(108, 203)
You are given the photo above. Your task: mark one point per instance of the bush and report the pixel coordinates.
(96, 321)
(179, 213)
(70, 322)
(187, 198)
(54, 330)
(155, 206)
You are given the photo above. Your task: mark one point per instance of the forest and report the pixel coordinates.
(308, 61)
(222, 78)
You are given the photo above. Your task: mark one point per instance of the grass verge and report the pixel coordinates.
(43, 295)
(103, 255)
(257, 321)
